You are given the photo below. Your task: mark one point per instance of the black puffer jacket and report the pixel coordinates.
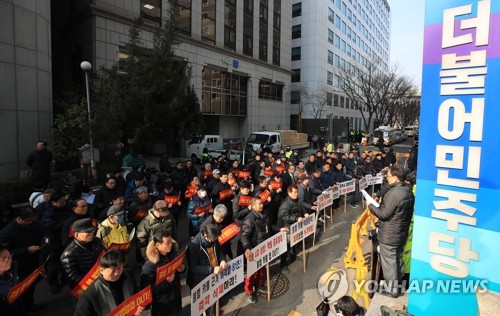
(254, 230)
(289, 212)
(395, 213)
(78, 258)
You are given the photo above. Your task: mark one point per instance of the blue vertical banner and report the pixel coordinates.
(456, 235)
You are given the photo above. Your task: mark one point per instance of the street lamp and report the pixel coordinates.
(87, 67)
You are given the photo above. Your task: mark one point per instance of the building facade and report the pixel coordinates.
(238, 53)
(26, 88)
(329, 35)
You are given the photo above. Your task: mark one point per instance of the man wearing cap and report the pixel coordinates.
(113, 229)
(158, 217)
(198, 209)
(131, 191)
(52, 222)
(173, 198)
(82, 253)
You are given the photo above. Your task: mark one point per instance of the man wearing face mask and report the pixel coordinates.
(82, 253)
(159, 217)
(204, 258)
(199, 208)
(113, 229)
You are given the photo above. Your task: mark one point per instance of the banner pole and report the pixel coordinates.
(345, 203)
(304, 253)
(268, 284)
(373, 189)
(324, 219)
(217, 308)
(331, 214)
(315, 225)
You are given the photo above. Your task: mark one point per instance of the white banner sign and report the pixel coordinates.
(266, 252)
(299, 231)
(208, 291)
(324, 200)
(378, 179)
(363, 184)
(347, 187)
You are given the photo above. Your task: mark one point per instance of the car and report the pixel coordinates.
(401, 136)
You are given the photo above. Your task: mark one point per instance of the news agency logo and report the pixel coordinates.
(333, 284)
(422, 286)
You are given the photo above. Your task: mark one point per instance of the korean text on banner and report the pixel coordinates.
(165, 271)
(324, 201)
(228, 232)
(88, 279)
(299, 231)
(347, 187)
(20, 288)
(266, 252)
(213, 287)
(130, 305)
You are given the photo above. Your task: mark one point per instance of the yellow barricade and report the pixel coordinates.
(358, 229)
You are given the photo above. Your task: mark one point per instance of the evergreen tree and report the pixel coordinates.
(147, 98)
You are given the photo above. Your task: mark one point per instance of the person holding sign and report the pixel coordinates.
(255, 229)
(173, 198)
(289, 213)
(394, 214)
(198, 209)
(111, 289)
(82, 253)
(113, 229)
(167, 298)
(222, 193)
(8, 279)
(158, 217)
(204, 258)
(219, 218)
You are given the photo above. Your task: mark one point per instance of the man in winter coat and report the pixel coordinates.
(113, 229)
(255, 229)
(199, 208)
(111, 289)
(82, 253)
(167, 299)
(158, 217)
(39, 161)
(204, 258)
(394, 214)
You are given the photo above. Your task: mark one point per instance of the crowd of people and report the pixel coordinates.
(265, 196)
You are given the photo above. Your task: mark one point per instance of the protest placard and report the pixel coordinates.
(165, 271)
(202, 209)
(363, 183)
(19, 289)
(130, 305)
(125, 245)
(228, 232)
(324, 201)
(347, 187)
(88, 279)
(266, 252)
(213, 287)
(299, 231)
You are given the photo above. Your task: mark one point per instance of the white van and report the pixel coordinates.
(411, 130)
(387, 133)
(195, 146)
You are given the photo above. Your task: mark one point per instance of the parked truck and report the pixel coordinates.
(278, 139)
(196, 146)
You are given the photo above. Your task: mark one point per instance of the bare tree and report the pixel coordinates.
(303, 91)
(317, 100)
(401, 97)
(369, 89)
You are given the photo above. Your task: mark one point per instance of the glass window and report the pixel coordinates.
(330, 57)
(248, 28)
(208, 20)
(337, 61)
(296, 31)
(296, 53)
(223, 93)
(331, 15)
(329, 98)
(296, 75)
(182, 16)
(330, 36)
(297, 9)
(336, 100)
(276, 32)
(337, 41)
(263, 29)
(329, 78)
(230, 25)
(151, 10)
(337, 21)
(270, 91)
(295, 97)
